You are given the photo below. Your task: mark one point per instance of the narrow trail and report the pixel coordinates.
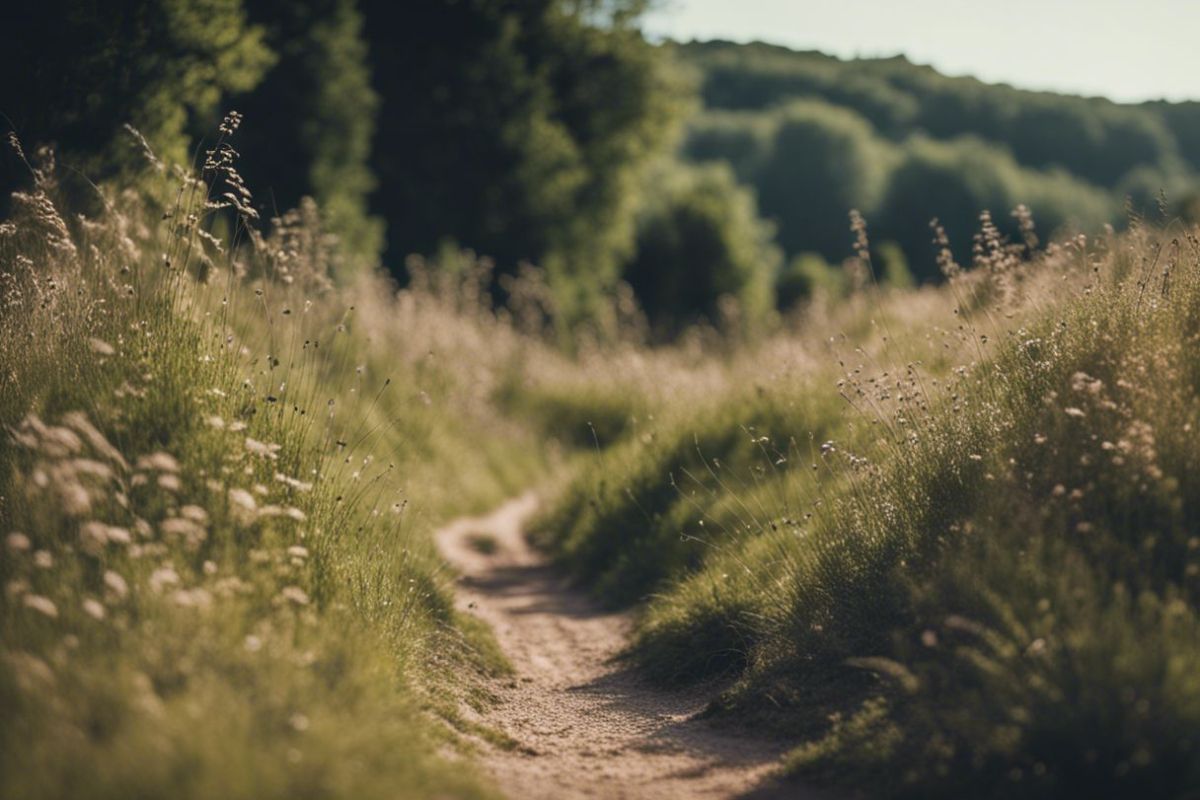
(584, 726)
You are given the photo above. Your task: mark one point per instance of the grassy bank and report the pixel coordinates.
(217, 477)
(978, 576)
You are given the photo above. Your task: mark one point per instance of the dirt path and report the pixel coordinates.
(585, 726)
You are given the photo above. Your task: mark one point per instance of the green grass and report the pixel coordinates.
(216, 498)
(986, 585)
(943, 538)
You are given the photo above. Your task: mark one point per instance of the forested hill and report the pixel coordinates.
(904, 142)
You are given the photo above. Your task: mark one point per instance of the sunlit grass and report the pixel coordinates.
(977, 577)
(216, 483)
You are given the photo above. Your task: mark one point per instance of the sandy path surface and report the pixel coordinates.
(586, 727)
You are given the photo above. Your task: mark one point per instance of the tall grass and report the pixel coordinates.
(980, 577)
(944, 538)
(217, 476)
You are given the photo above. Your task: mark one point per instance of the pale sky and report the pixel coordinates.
(1128, 50)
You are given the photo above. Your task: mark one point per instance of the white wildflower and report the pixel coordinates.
(115, 584)
(158, 462)
(262, 449)
(195, 514)
(183, 529)
(94, 608)
(101, 347)
(162, 577)
(43, 605)
(293, 483)
(243, 499)
(294, 594)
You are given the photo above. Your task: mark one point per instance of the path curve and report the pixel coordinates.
(584, 726)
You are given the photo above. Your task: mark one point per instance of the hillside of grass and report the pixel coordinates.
(218, 472)
(945, 539)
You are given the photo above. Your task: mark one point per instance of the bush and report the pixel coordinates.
(955, 181)
(823, 162)
(700, 240)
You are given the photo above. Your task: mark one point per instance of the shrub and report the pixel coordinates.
(699, 240)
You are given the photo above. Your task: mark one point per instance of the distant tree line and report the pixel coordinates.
(814, 136)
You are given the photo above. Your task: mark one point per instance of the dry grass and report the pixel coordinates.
(216, 481)
(955, 551)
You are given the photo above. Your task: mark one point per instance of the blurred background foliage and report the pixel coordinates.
(551, 132)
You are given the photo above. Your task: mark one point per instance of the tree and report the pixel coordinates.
(77, 70)
(518, 129)
(310, 122)
(700, 239)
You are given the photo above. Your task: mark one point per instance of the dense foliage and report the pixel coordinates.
(700, 242)
(517, 129)
(313, 117)
(76, 72)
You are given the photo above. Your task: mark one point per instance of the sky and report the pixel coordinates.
(1128, 50)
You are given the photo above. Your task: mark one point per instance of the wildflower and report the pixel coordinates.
(191, 533)
(1071, 411)
(17, 542)
(228, 587)
(243, 499)
(92, 468)
(297, 551)
(290, 512)
(158, 462)
(162, 577)
(169, 482)
(192, 598)
(263, 449)
(294, 594)
(94, 536)
(101, 347)
(195, 514)
(43, 560)
(1082, 382)
(252, 643)
(74, 498)
(216, 422)
(115, 584)
(94, 608)
(40, 604)
(293, 483)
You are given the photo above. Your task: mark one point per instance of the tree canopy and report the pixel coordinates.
(519, 129)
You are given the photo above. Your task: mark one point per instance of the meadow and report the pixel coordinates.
(940, 539)
(521, 405)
